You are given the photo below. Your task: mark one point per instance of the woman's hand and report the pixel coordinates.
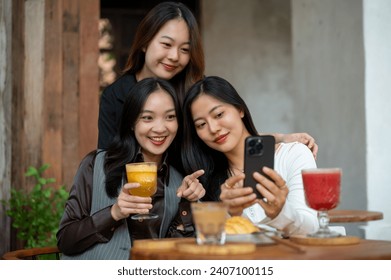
(128, 204)
(235, 196)
(238, 197)
(191, 188)
(274, 192)
(303, 137)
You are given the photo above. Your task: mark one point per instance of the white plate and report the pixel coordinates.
(257, 238)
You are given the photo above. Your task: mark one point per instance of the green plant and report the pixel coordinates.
(36, 214)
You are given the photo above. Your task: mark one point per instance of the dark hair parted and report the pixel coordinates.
(150, 26)
(195, 153)
(125, 147)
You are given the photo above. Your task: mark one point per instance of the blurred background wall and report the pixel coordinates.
(316, 66)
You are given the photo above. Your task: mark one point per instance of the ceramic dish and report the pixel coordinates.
(256, 238)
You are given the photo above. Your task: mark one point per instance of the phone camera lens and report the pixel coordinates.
(252, 143)
(258, 147)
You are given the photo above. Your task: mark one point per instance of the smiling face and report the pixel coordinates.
(219, 124)
(168, 52)
(156, 126)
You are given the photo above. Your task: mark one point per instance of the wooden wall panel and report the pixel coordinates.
(5, 118)
(52, 114)
(70, 92)
(89, 76)
(17, 139)
(71, 85)
(18, 163)
(33, 85)
(55, 88)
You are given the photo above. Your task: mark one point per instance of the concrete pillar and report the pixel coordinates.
(377, 42)
(341, 66)
(329, 72)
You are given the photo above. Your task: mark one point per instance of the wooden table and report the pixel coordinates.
(351, 216)
(365, 250)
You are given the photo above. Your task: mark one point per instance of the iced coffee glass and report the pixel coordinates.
(144, 173)
(209, 219)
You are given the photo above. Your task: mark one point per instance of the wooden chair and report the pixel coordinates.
(32, 253)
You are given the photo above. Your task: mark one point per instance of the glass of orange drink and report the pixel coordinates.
(144, 173)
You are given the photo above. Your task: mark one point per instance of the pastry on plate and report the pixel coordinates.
(239, 225)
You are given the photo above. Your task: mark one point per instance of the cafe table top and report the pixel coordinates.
(351, 216)
(364, 250)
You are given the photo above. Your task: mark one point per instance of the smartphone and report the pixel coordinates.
(258, 152)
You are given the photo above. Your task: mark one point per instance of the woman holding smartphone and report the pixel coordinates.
(216, 123)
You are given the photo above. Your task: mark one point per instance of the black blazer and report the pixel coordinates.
(110, 109)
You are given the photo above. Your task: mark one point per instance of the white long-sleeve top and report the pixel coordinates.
(295, 217)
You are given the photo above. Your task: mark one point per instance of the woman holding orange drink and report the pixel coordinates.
(97, 222)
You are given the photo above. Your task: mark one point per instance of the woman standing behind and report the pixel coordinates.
(96, 223)
(216, 123)
(167, 45)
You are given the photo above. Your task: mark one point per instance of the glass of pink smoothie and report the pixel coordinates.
(322, 188)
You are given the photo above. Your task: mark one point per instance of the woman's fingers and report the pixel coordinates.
(314, 150)
(310, 142)
(129, 186)
(234, 181)
(235, 196)
(237, 199)
(123, 208)
(233, 193)
(128, 204)
(274, 182)
(274, 191)
(191, 188)
(301, 137)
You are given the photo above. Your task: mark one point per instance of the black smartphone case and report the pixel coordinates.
(258, 152)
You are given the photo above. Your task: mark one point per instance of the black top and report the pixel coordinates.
(110, 109)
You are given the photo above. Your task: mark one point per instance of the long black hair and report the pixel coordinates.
(195, 153)
(125, 147)
(150, 26)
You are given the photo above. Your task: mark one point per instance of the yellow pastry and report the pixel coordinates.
(239, 225)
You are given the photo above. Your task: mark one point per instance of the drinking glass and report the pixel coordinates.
(144, 173)
(209, 220)
(322, 191)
